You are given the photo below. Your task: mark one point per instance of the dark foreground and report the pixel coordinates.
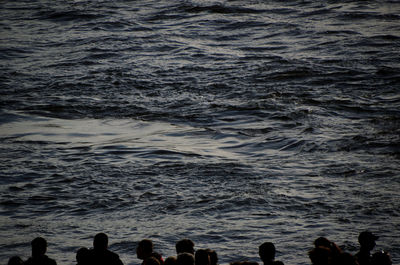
(324, 252)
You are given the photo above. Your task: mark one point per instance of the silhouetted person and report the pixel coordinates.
(213, 256)
(144, 250)
(320, 256)
(184, 246)
(15, 261)
(267, 252)
(151, 261)
(381, 258)
(83, 256)
(100, 255)
(185, 258)
(170, 261)
(367, 243)
(39, 248)
(324, 242)
(201, 257)
(344, 258)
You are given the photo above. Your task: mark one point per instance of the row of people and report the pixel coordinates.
(324, 252)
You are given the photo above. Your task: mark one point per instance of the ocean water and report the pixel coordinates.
(228, 122)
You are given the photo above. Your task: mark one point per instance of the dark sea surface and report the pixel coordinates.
(228, 122)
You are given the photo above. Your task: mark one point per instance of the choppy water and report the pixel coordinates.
(228, 122)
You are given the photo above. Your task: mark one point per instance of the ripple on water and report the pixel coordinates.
(231, 124)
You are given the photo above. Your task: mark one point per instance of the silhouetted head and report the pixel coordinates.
(367, 240)
(267, 252)
(184, 246)
(151, 261)
(213, 256)
(170, 261)
(320, 256)
(201, 257)
(39, 246)
(100, 242)
(381, 258)
(185, 259)
(322, 242)
(82, 256)
(144, 249)
(15, 261)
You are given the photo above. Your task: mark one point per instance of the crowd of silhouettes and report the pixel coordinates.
(324, 252)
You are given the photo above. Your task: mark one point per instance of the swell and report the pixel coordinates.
(189, 113)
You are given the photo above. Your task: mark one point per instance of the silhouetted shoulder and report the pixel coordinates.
(344, 258)
(104, 257)
(381, 258)
(44, 260)
(151, 261)
(115, 258)
(16, 260)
